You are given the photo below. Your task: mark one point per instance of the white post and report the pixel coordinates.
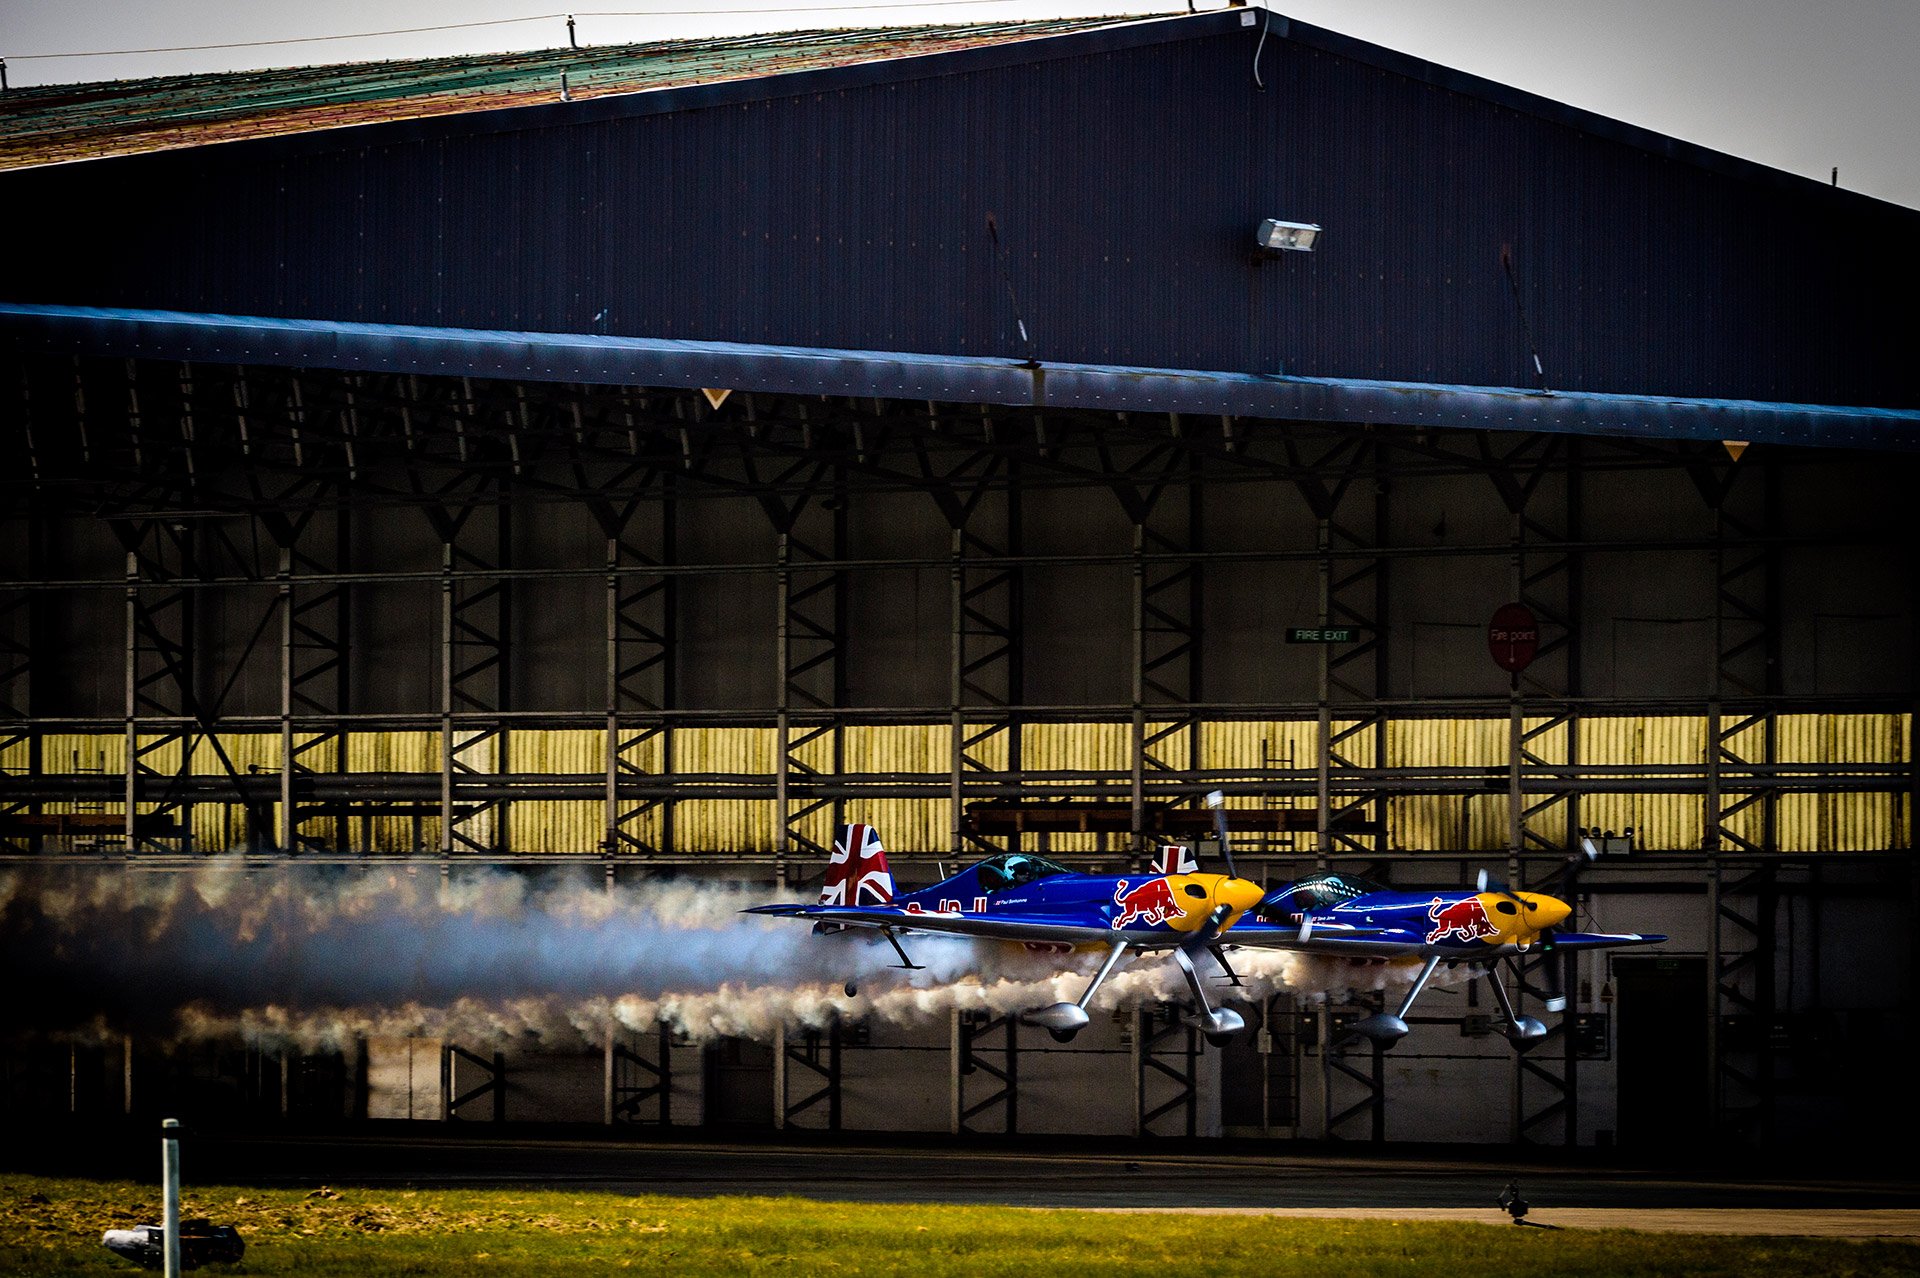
(170, 1191)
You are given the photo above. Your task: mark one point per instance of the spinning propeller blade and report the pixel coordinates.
(1562, 885)
(1218, 802)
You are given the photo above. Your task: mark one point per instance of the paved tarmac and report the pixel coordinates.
(1458, 1185)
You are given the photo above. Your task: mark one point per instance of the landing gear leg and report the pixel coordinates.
(1219, 1024)
(1524, 1031)
(1064, 1020)
(894, 941)
(1386, 1030)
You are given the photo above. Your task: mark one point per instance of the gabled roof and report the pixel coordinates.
(54, 123)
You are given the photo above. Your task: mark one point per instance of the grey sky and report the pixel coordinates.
(1800, 87)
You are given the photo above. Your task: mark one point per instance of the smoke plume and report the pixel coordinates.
(315, 958)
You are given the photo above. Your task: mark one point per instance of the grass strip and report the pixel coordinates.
(50, 1226)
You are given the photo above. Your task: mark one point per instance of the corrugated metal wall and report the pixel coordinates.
(1229, 750)
(829, 210)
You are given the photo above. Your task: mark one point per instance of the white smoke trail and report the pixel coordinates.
(314, 959)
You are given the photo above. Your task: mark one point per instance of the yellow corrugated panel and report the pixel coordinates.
(1252, 745)
(1177, 749)
(901, 748)
(1452, 823)
(1842, 822)
(911, 825)
(905, 825)
(1434, 743)
(1077, 747)
(570, 826)
(739, 750)
(812, 748)
(1673, 822)
(393, 752)
(569, 750)
(1903, 834)
(724, 825)
(65, 752)
(324, 757)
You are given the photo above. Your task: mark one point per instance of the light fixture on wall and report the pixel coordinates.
(1275, 236)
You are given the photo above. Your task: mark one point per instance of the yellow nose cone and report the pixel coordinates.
(1240, 895)
(1544, 911)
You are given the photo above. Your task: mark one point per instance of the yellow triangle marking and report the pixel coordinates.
(719, 397)
(1734, 447)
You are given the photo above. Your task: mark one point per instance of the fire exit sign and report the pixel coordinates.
(1322, 634)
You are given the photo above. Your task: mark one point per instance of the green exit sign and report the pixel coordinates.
(1324, 634)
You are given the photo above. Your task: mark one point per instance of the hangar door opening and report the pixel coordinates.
(1661, 1012)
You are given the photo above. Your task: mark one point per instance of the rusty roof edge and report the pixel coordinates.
(1122, 31)
(1119, 32)
(608, 360)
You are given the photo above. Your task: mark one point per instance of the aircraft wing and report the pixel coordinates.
(1325, 938)
(1331, 938)
(997, 926)
(1602, 940)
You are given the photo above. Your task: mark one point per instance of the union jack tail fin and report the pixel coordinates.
(857, 874)
(1175, 858)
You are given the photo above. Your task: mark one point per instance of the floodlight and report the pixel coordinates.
(1275, 236)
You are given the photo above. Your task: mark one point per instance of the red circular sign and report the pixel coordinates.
(1513, 637)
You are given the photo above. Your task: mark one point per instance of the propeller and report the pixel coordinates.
(1555, 991)
(1218, 802)
(1563, 886)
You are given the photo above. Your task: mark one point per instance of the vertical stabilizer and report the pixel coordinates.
(857, 874)
(1175, 858)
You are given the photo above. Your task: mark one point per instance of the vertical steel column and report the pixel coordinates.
(475, 622)
(18, 645)
(1352, 678)
(632, 1080)
(984, 675)
(314, 664)
(160, 703)
(811, 662)
(1167, 617)
(970, 1057)
(1742, 495)
(288, 836)
(1542, 791)
(640, 677)
(1167, 1048)
(809, 1057)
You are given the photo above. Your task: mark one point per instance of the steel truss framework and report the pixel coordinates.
(248, 482)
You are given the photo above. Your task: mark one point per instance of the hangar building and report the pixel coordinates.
(650, 457)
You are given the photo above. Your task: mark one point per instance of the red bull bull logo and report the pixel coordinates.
(1151, 903)
(1461, 921)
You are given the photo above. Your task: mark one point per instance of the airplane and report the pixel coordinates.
(1345, 915)
(1020, 897)
(1193, 916)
